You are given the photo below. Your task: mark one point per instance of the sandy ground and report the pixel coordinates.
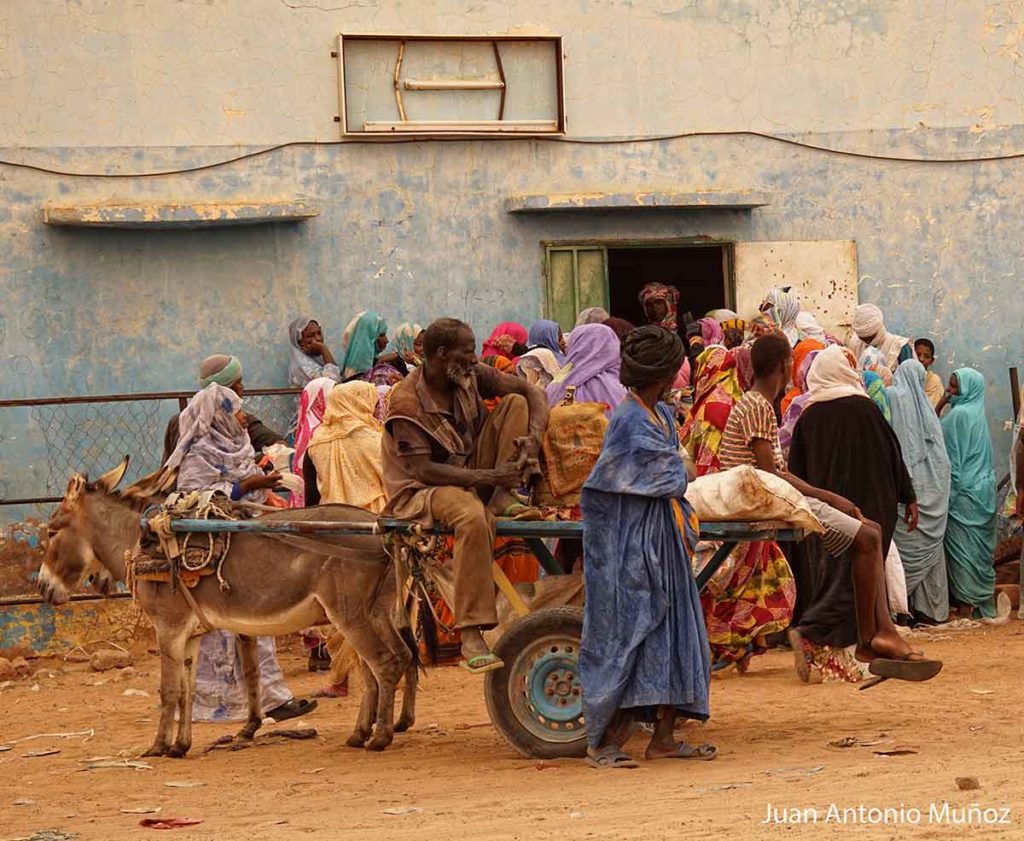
(460, 781)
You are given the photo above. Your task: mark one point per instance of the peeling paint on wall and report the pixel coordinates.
(421, 229)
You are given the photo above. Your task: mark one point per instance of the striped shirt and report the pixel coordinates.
(752, 418)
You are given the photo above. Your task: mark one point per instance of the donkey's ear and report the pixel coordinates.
(76, 484)
(112, 478)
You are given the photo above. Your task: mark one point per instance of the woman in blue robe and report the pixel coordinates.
(644, 654)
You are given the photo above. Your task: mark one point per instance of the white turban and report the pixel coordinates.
(868, 322)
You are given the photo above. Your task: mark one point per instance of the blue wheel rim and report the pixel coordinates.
(546, 691)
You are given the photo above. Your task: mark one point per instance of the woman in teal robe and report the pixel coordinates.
(971, 528)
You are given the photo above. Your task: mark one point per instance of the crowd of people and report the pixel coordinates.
(417, 423)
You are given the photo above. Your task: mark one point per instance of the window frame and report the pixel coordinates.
(454, 129)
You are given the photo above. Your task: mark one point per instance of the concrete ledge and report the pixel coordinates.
(701, 200)
(183, 215)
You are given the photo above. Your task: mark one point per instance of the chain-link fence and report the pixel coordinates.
(92, 434)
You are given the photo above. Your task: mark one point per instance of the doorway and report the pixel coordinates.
(700, 273)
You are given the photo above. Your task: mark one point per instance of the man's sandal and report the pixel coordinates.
(489, 662)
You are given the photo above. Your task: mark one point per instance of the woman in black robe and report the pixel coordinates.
(843, 444)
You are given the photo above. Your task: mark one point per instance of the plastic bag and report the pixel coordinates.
(896, 581)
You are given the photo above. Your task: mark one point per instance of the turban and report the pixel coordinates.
(220, 369)
(868, 322)
(650, 354)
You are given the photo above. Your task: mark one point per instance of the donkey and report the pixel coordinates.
(276, 589)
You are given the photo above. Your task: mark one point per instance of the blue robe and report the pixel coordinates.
(644, 642)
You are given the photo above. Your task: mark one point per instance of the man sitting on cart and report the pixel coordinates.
(447, 460)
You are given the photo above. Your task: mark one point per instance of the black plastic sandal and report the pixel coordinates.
(292, 709)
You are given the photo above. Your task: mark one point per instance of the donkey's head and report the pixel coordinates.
(73, 549)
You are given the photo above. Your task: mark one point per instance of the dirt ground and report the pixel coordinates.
(454, 778)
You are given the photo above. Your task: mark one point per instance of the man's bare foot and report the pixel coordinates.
(473, 644)
(887, 645)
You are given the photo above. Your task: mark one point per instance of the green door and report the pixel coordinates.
(577, 278)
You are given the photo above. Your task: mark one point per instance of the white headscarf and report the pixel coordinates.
(832, 377)
(808, 327)
(545, 358)
(214, 450)
(868, 323)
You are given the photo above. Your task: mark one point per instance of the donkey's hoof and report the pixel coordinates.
(356, 740)
(178, 751)
(380, 741)
(158, 749)
(404, 725)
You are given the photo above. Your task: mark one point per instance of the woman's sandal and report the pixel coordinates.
(705, 752)
(611, 757)
(796, 642)
(903, 668)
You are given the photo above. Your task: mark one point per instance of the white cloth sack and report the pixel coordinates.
(280, 456)
(896, 582)
(747, 494)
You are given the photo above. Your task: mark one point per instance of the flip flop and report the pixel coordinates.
(168, 823)
(902, 668)
(705, 752)
(292, 709)
(611, 757)
(489, 662)
(796, 642)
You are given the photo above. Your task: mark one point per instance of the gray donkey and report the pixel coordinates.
(276, 588)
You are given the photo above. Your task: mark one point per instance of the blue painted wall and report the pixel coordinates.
(420, 230)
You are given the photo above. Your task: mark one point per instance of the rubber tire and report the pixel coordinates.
(556, 620)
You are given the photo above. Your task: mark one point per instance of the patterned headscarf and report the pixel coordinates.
(668, 294)
(873, 360)
(762, 326)
(403, 341)
(214, 450)
(784, 308)
(717, 389)
(711, 332)
(503, 338)
(312, 404)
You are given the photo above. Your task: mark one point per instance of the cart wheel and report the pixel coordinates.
(536, 700)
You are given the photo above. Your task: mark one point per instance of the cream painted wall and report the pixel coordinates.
(212, 72)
